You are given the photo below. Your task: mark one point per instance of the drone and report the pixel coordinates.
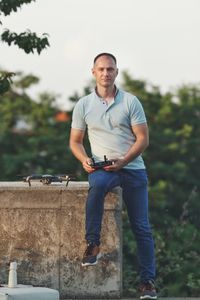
(48, 179)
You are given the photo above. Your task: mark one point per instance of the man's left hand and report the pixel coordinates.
(117, 165)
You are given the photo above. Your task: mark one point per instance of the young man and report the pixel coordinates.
(117, 128)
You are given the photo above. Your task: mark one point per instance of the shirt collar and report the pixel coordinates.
(116, 92)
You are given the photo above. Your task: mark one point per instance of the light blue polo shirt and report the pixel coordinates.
(109, 127)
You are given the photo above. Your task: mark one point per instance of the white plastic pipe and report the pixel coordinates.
(12, 279)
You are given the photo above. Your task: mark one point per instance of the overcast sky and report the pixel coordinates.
(155, 40)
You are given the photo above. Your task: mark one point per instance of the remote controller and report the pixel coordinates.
(101, 164)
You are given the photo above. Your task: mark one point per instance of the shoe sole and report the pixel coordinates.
(91, 264)
(148, 297)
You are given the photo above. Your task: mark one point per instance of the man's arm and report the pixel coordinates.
(77, 148)
(142, 141)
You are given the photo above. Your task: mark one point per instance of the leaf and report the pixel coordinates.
(28, 41)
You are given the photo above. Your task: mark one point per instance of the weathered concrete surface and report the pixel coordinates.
(42, 228)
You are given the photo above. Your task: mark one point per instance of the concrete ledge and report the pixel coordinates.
(42, 228)
(23, 292)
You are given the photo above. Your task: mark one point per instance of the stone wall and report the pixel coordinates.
(42, 228)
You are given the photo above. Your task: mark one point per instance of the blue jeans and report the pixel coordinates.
(135, 196)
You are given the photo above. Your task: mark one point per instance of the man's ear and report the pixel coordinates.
(117, 71)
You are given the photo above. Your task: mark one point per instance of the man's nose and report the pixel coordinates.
(105, 72)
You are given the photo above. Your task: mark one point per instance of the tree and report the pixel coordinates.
(32, 138)
(27, 40)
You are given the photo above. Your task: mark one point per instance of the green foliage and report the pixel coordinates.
(5, 81)
(26, 81)
(172, 160)
(4, 85)
(8, 6)
(28, 41)
(31, 139)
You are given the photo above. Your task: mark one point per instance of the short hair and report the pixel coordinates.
(106, 54)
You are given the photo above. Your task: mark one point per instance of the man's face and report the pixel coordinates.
(105, 71)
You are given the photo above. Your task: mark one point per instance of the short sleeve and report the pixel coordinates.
(137, 115)
(78, 121)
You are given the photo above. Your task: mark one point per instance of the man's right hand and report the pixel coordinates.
(87, 165)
